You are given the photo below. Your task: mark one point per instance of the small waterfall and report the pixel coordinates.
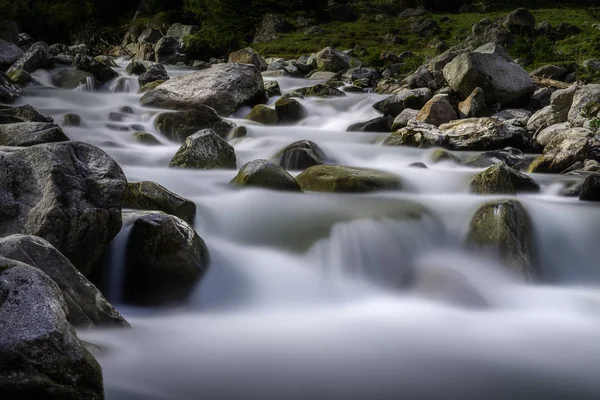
(88, 86)
(116, 269)
(124, 84)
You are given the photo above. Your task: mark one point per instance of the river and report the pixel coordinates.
(305, 298)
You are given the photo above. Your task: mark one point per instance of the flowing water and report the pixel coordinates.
(306, 296)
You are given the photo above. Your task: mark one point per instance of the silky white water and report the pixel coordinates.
(307, 295)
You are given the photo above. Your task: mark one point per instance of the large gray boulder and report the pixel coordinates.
(406, 98)
(41, 356)
(500, 179)
(504, 228)
(38, 56)
(482, 134)
(584, 95)
(27, 113)
(8, 90)
(30, 134)
(556, 112)
(180, 30)
(265, 174)
(333, 60)
(248, 56)
(178, 126)
(87, 306)
(205, 150)
(224, 87)
(502, 80)
(165, 258)
(67, 193)
(9, 54)
(563, 150)
(148, 195)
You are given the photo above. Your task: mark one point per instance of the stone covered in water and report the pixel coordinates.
(500, 179)
(267, 175)
(301, 155)
(336, 178)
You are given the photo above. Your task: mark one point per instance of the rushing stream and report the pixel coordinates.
(304, 297)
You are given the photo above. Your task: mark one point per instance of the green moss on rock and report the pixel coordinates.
(500, 179)
(265, 174)
(335, 178)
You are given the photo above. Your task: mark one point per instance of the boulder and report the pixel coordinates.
(321, 90)
(148, 195)
(500, 179)
(150, 35)
(69, 78)
(42, 358)
(205, 150)
(67, 193)
(87, 306)
(71, 120)
(272, 88)
(136, 68)
(563, 150)
(103, 73)
(289, 110)
(335, 178)
(262, 114)
(155, 73)
(30, 134)
(164, 260)
(369, 74)
(178, 126)
(422, 78)
(27, 113)
(180, 30)
(270, 28)
(482, 134)
(380, 124)
(543, 137)
(9, 54)
(417, 134)
(514, 116)
(267, 175)
(248, 56)
(504, 228)
(508, 156)
(36, 57)
(301, 155)
(502, 80)
(437, 111)
(401, 121)
(590, 191)
(19, 76)
(584, 95)
(520, 22)
(474, 106)
(146, 138)
(166, 49)
(330, 59)
(407, 98)
(224, 87)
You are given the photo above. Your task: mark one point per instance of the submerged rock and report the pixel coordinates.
(263, 114)
(301, 155)
(205, 150)
(482, 134)
(165, 259)
(147, 195)
(500, 179)
(30, 134)
(224, 87)
(336, 178)
(87, 306)
(290, 110)
(267, 175)
(178, 126)
(67, 193)
(505, 229)
(42, 358)
(69, 78)
(380, 124)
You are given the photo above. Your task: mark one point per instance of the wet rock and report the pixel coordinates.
(335, 178)
(418, 165)
(248, 56)
(19, 76)
(590, 191)
(543, 137)
(550, 72)
(42, 358)
(520, 22)
(270, 28)
(272, 88)
(509, 156)
(177, 126)
(180, 30)
(150, 86)
(301, 155)
(441, 155)
(474, 106)
(67, 193)
(36, 57)
(165, 259)
(401, 121)
(237, 133)
(101, 72)
(68, 78)
(86, 305)
(71, 120)
(417, 134)
(407, 98)
(155, 73)
(482, 134)
(500, 179)
(27, 113)
(146, 138)
(504, 228)
(205, 150)
(263, 114)
(148, 195)
(8, 90)
(380, 124)
(422, 78)
(502, 80)
(30, 134)
(330, 59)
(9, 54)
(437, 111)
(267, 175)
(584, 95)
(290, 110)
(135, 68)
(563, 150)
(166, 49)
(224, 87)
(321, 90)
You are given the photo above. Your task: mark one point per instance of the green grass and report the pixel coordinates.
(369, 34)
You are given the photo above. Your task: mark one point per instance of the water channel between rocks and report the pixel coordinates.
(303, 299)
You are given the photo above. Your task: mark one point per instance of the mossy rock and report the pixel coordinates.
(205, 150)
(439, 155)
(71, 120)
(146, 138)
(289, 110)
(238, 132)
(106, 60)
(336, 178)
(539, 165)
(177, 126)
(262, 114)
(505, 229)
(19, 76)
(147, 195)
(321, 90)
(150, 86)
(266, 174)
(301, 155)
(70, 78)
(500, 179)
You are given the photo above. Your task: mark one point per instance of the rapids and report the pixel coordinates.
(304, 297)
